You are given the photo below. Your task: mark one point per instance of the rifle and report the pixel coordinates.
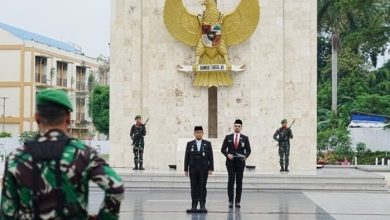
(142, 131)
(288, 127)
(143, 126)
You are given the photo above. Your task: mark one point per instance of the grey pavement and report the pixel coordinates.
(276, 205)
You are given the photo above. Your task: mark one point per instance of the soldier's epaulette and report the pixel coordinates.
(77, 143)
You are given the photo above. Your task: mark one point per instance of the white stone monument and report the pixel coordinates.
(279, 81)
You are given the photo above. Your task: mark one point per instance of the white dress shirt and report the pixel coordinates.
(198, 144)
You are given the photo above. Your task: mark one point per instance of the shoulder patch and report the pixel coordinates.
(77, 143)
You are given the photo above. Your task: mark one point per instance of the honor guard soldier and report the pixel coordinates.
(48, 177)
(283, 136)
(236, 148)
(137, 133)
(198, 164)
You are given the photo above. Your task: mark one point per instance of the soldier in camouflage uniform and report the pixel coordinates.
(283, 136)
(137, 133)
(47, 178)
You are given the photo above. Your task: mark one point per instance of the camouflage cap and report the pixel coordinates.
(137, 117)
(54, 96)
(284, 121)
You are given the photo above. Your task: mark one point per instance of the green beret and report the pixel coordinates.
(137, 117)
(54, 96)
(284, 121)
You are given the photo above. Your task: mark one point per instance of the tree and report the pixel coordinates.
(99, 107)
(91, 82)
(359, 25)
(374, 104)
(362, 28)
(27, 136)
(5, 134)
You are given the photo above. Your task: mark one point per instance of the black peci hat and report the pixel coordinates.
(198, 128)
(238, 121)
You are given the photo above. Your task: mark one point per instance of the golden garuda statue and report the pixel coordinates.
(212, 33)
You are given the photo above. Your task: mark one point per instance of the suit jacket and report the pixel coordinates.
(192, 150)
(228, 147)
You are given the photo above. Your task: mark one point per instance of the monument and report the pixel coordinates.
(268, 75)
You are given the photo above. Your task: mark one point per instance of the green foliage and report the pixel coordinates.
(99, 106)
(362, 28)
(27, 136)
(333, 139)
(361, 25)
(368, 158)
(5, 134)
(361, 149)
(375, 104)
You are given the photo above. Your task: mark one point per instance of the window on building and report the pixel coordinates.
(80, 78)
(62, 74)
(40, 69)
(80, 109)
(103, 78)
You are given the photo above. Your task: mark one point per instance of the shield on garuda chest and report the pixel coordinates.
(211, 34)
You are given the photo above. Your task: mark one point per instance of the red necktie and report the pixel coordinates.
(236, 142)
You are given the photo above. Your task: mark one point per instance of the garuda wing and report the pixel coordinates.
(182, 25)
(240, 24)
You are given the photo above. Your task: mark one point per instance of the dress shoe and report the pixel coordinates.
(202, 206)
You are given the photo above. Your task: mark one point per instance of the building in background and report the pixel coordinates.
(370, 130)
(29, 63)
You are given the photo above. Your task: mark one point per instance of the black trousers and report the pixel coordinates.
(198, 177)
(235, 170)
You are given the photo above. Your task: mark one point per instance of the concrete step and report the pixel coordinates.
(355, 181)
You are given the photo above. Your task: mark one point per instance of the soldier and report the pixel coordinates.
(198, 164)
(283, 136)
(47, 178)
(236, 148)
(137, 133)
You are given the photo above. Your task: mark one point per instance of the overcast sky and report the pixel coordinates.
(83, 22)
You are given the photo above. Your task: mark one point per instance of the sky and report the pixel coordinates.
(85, 23)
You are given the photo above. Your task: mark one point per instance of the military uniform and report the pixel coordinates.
(48, 177)
(283, 136)
(198, 162)
(137, 133)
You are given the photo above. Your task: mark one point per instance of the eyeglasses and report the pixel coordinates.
(237, 126)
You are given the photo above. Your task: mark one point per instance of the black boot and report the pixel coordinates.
(286, 169)
(135, 166)
(281, 168)
(140, 166)
(194, 205)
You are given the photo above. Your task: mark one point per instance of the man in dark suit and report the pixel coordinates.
(198, 164)
(236, 148)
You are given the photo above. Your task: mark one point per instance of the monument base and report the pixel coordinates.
(260, 160)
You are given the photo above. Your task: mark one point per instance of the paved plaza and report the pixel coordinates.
(275, 205)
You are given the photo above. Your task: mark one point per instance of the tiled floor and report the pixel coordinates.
(279, 205)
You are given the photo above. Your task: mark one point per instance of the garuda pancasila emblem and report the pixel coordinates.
(212, 33)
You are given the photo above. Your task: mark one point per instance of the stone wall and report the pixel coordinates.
(279, 82)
